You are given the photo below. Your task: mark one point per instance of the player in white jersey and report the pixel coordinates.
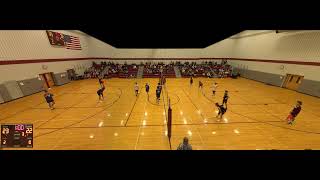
(214, 88)
(136, 88)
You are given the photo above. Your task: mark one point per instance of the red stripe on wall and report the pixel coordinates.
(28, 61)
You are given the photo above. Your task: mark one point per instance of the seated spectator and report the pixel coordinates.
(185, 145)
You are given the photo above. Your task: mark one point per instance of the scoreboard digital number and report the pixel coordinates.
(16, 135)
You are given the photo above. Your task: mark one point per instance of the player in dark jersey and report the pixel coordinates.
(200, 86)
(100, 93)
(147, 88)
(295, 111)
(101, 82)
(158, 93)
(159, 86)
(191, 81)
(49, 98)
(225, 97)
(222, 110)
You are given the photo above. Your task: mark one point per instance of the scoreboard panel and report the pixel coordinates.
(16, 135)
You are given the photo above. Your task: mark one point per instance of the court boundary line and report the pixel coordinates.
(28, 108)
(65, 109)
(298, 130)
(103, 109)
(135, 102)
(309, 132)
(83, 107)
(155, 125)
(203, 118)
(143, 119)
(161, 105)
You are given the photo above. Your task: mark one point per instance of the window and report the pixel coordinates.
(291, 78)
(298, 80)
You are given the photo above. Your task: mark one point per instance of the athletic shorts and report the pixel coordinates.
(290, 117)
(50, 101)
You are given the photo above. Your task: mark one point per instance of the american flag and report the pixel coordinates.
(72, 42)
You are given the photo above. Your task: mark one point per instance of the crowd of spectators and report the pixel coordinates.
(95, 70)
(122, 70)
(158, 68)
(205, 69)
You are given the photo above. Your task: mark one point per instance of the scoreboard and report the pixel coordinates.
(16, 136)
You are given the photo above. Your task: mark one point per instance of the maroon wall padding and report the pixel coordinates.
(28, 61)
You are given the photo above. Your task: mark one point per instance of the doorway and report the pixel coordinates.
(292, 81)
(47, 79)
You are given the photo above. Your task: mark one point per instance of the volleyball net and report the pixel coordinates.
(167, 108)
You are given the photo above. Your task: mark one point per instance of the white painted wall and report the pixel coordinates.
(98, 48)
(152, 53)
(309, 72)
(268, 45)
(264, 44)
(27, 71)
(34, 44)
(296, 45)
(157, 53)
(176, 53)
(222, 49)
(133, 53)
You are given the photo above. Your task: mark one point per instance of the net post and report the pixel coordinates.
(169, 124)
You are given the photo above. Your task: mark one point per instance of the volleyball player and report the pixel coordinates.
(200, 85)
(159, 87)
(164, 80)
(295, 111)
(101, 82)
(158, 93)
(222, 110)
(49, 98)
(100, 92)
(225, 97)
(191, 81)
(147, 88)
(214, 88)
(136, 89)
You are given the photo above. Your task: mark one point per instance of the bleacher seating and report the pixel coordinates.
(154, 70)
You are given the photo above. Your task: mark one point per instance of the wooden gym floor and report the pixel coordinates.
(255, 117)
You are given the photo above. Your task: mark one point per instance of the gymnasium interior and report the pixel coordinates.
(264, 71)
